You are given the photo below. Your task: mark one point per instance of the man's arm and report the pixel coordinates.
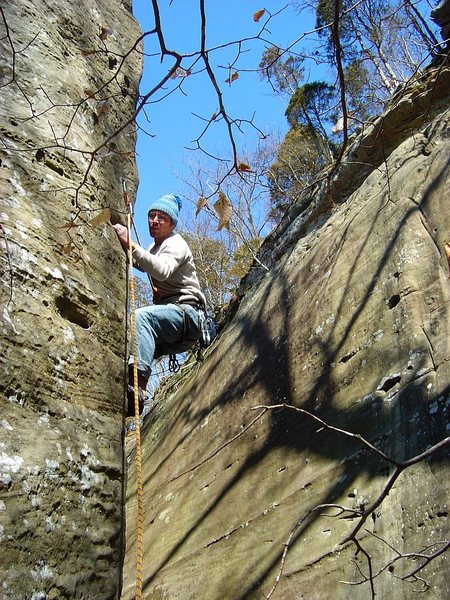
(122, 234)
(161, 266)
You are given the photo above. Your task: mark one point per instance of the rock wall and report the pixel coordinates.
(66, 86)
(247, 497)
(350, 325)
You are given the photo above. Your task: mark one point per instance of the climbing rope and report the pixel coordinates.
(139, 487)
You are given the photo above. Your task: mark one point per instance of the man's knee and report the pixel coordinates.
(144, 314)
(142, 311)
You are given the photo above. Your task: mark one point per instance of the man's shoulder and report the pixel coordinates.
(175, 238)
(177, 241)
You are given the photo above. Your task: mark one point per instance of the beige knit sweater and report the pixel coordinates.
(172, 269)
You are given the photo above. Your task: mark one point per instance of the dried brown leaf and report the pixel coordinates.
(70, 225)
(179, 72)
(104, 33)
(103, 110)
(103, 217)
(244, 167)
(89, 93)
(258, 14)
(66, 248)
(224, 209)
(201, 202)
(234, 76)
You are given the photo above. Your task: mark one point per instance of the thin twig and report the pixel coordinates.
(363, 515)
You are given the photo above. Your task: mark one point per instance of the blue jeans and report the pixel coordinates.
(159, 331)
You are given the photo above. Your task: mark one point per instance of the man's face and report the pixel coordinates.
(160, 225)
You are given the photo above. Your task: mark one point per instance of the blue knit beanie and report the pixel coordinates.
(168, 204)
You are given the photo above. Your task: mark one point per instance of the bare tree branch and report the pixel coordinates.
(362, 515)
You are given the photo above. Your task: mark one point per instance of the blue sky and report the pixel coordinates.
(162, 158)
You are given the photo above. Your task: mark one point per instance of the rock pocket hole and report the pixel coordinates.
(393, 301)
(388, 383)
(72, 312)
(54, 167)
(348, 356)
(40, 155)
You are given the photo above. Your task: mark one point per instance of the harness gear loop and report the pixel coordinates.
(139, 490)
(174, 365)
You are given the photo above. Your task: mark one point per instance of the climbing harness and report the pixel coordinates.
(139, 490)
(174, 365)
(208, 331)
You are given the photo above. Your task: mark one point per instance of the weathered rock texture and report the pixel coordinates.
(351, 324)
(62, 293)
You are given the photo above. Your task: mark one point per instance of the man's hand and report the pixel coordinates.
(122, 234)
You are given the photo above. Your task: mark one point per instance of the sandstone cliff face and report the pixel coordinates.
(351, 324)
(62, 293)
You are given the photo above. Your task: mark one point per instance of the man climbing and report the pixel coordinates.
(172, 323)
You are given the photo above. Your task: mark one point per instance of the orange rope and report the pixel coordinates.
(139, 490)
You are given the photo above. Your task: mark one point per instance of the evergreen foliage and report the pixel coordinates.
(371, 49)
